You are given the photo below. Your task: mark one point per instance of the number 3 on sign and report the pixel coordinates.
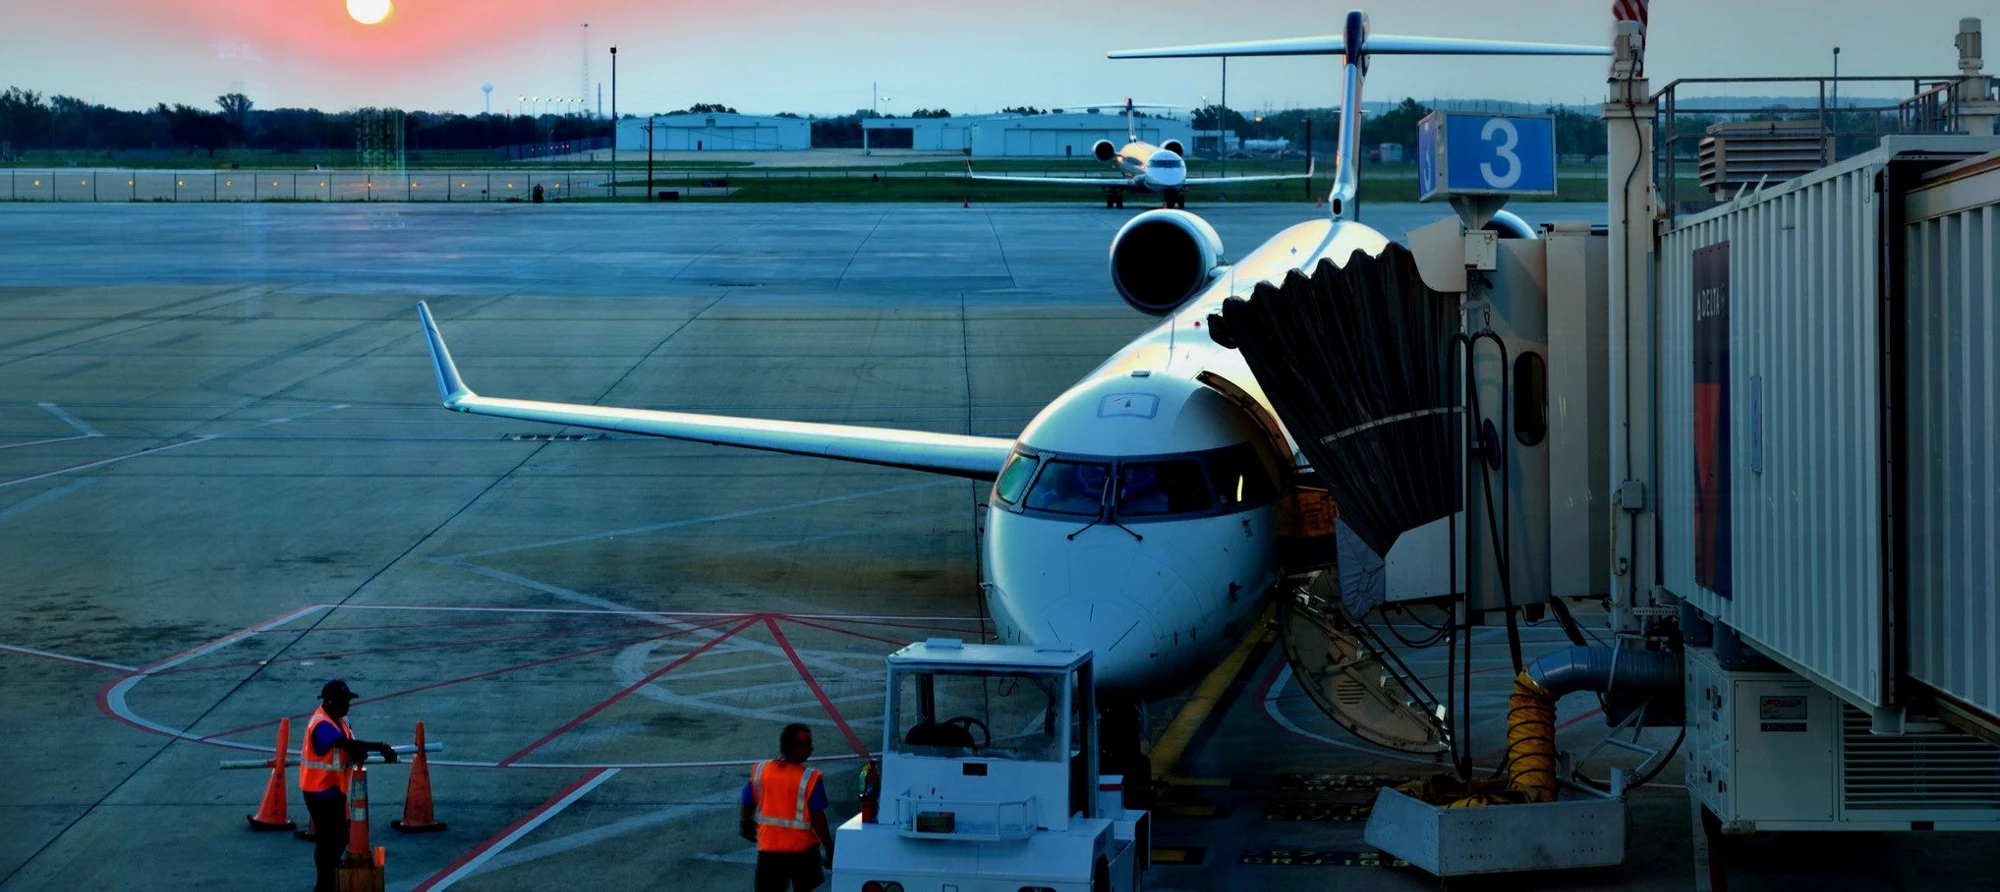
(1505, 136)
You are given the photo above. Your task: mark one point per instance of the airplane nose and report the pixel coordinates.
(1120, 635)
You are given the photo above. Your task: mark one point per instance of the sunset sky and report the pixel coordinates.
(818, 57)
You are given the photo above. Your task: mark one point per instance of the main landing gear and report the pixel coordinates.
(1114, 198)
(1174, 198)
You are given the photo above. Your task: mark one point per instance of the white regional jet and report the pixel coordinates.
(1137, 514)
(1142, 167)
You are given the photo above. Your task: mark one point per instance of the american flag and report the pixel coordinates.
(1632, 11)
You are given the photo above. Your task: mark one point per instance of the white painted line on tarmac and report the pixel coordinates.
(631, 611)
(692, 521)
(114, 697)
(534, 820)
(65, 658)
(71, 420)
(47, 441)
(722, 799)
(45, 498)
(104, 461)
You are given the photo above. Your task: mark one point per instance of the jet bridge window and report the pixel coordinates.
(1240, 476)
(1069, 487)
(1162, 487)
(1013, 480)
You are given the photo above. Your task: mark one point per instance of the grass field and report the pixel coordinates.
(261, 159)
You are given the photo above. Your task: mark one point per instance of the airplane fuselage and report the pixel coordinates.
(1159, 594)
(1150, 167)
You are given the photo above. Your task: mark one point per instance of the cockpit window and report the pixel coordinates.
(1069, 487)
(1165, 162)
(1162, 487)
(1013, 480)
(1240, 477)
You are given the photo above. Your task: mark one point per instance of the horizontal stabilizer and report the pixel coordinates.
(1384, 44)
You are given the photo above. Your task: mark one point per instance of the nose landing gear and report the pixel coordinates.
(1174, 198)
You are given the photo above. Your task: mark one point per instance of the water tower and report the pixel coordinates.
(487, 88)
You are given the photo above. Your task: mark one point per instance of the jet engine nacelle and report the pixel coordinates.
(1174, 146)
(1162, 257)
(1104, 150)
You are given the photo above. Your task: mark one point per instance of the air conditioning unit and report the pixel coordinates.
(1773, 751)
(1735, 154)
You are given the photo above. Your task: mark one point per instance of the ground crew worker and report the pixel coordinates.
(784, 813)
(324, 756)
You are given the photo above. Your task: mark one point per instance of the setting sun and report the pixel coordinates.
(368, 12)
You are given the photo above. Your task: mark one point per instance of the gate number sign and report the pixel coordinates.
(1460, 153)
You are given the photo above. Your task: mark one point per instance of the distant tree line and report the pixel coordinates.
(30, 122)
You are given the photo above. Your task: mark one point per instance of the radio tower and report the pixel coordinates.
(585, 89)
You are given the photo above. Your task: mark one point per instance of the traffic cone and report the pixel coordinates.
(271, 814)
(417, 814)
(357, 817)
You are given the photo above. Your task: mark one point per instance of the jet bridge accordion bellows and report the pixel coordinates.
(1357, 361)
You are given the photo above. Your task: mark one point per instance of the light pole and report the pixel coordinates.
(650, 121)
(614, 132)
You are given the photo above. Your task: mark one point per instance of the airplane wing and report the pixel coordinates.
(978, 458)
(1256, 178)
(1048, 181)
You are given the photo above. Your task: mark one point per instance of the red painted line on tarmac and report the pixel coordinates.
(395, 626)
(877, 622)
(807, 622)
(475, 677)
(649, 679)
(824, 701)
(432, 881)
(390, 650)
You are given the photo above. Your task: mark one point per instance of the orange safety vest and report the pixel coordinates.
(780, 788)
(329, 770)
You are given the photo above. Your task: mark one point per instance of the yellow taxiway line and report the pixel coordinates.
(1180, 732)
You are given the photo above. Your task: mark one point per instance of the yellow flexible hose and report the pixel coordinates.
(1531, 758)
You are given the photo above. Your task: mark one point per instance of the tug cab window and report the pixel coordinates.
(1013, 480)
(1240, 476)
(1174, 486)
(1016, 716)
(1069, 487)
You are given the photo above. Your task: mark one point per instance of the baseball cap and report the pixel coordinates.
(336, 690)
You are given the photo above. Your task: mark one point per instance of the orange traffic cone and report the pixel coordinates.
(357, 817)
(417, 814)
(271, 814)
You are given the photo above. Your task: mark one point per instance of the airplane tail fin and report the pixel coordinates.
(1354, 44)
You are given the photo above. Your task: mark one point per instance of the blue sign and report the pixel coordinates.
(1480, 154)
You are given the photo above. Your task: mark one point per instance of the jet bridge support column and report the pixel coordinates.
(1628, 117)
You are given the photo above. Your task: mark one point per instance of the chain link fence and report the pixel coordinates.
(76, 184)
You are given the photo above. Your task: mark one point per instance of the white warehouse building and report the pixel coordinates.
(1045, 136)
(717, 132)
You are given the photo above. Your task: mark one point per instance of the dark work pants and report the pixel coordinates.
(329, 817)
(789, 871)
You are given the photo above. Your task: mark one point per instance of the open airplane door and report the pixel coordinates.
(1307, 510)
(1341, 668)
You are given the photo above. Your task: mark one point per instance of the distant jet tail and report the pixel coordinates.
(1354, 44)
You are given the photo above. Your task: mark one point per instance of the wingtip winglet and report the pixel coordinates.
(451, 387)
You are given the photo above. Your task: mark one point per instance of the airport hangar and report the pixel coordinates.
(715, 132)
(1062, 134)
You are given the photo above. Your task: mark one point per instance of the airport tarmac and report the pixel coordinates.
(224, 479)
